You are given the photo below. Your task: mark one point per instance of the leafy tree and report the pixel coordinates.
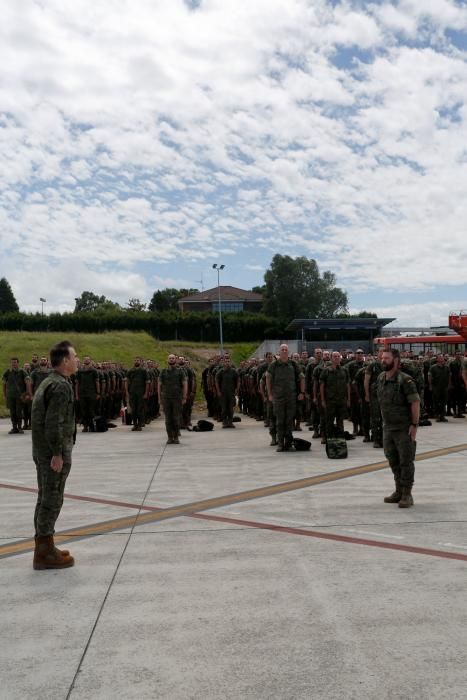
(360, 314)
(88, 301)
(166, 299)
(7, 298)
(136, 305)
(294, 288)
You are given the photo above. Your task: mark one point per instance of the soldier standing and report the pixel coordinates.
(173, 388)
(137, 384)
(438, 381)
(16, 389)
(335, 395)
(87, 392)
(227, 386)
(352, 368)
(372, 372)
(400, 408)
(53, 431)
(282, 379)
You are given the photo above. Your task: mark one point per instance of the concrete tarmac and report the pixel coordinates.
(219, 568)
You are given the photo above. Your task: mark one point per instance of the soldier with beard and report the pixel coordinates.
(400, 408)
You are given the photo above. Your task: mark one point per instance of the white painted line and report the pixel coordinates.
(107, 496)
(373, 534)
(12, 481)
(451, 544)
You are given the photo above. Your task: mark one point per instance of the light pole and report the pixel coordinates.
(219, 268)
(42, 300)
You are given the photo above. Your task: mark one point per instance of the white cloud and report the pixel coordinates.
(168, 135)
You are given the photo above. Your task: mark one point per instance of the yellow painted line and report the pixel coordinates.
(217, 502)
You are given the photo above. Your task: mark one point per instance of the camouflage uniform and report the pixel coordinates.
(439, 375)
(138, 381)
(15, 381)
(335, 381)
(395, 396)
(171, 381)
(53, 430)
(227, 382)
(373, 370)
(86, 383)
(285, 377)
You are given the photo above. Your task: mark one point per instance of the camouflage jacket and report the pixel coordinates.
(53, 416)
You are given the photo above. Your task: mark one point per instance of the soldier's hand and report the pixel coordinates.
(56, 463)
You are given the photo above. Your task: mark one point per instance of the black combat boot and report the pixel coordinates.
(396, 496)
(280, 445)
(406, 500)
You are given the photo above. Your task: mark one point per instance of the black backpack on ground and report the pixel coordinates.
(100, 424)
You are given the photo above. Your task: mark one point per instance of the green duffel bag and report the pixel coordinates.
(336, 448)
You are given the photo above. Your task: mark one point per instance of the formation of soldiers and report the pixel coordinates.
(103, 391)
(329, 397)
(109, 390)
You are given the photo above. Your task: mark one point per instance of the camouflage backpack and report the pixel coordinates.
(336, 448)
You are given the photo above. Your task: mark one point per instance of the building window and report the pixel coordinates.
(227, 306)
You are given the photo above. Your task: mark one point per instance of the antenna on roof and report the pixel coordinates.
(201, 282)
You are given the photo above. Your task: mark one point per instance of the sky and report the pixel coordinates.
(142, 141)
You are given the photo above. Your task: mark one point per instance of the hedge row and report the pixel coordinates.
(169, 325)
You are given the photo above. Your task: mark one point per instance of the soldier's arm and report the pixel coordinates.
(4, 388)
(322, 387)
(185, 390)
(269, 386)
(58, 399)
(366, 386)
(147, 386)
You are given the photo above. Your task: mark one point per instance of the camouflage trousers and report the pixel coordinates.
(16, 411)
(284, 412)
(50, 490)
(87, 410)
(376, 422)
(227, 400)
(137, 409)
(335, 413)
(400, 453)
(173, 414)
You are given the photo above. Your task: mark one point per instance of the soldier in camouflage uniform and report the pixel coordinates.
(16, 388)
(87, 392)
(372, 372)
(335, 396)
(320, 430)
(352, 368)
(438, 378)
(173, 388)
(457, 385)
(53, 431)
(282, 379)
(400, 408)
(39, 374)
(227, 385)
(137, 387)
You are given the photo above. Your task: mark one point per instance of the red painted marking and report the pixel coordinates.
(269, 526)
(336, 538)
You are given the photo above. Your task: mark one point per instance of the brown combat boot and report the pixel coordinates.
(396, 496)
(47, 556)
(175, 440)
(406, 500)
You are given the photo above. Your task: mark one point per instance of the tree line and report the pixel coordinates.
(293, 288)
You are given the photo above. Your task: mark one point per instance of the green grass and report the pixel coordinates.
(120, 346)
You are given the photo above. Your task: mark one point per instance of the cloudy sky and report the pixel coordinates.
(142, 141)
